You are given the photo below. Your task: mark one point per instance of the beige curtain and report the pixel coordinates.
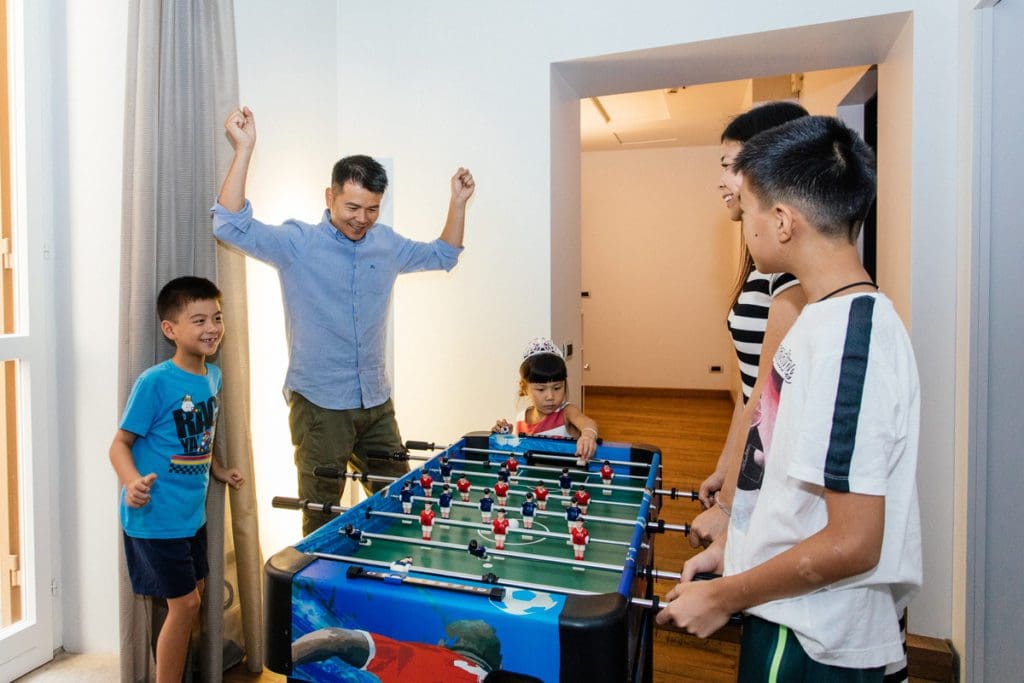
(182, 79)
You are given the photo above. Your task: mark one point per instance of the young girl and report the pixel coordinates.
(542, 376)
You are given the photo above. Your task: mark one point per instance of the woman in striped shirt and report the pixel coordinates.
(764, 306)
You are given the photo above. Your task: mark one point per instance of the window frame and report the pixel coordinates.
(30, 641)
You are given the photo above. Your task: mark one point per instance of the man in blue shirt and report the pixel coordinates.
(336, 280)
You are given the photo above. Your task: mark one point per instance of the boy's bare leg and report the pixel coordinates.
(172, 644)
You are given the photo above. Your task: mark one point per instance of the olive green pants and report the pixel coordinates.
(336, 438)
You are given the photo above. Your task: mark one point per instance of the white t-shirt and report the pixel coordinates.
(841, 412)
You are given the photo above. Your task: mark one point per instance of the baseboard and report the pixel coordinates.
(932, 659)
(656, 392)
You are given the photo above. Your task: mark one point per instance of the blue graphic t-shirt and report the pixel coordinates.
(173, 414)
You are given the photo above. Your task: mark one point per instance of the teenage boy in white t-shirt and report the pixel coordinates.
(823, 549)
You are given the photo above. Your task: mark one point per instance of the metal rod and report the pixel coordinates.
(491, 463)
(544, 513)
(484, 527)
(594, 484)
(562, 590)
(553, 456)
(493, 551)
(300, 504)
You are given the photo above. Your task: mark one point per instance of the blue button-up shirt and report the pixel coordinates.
(336, 297)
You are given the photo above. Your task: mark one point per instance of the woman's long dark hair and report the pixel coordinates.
(741, 129)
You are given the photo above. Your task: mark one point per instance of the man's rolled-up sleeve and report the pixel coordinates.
(275, 244)
(436, 255)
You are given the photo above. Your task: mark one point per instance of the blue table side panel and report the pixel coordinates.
(525, 622)
(629, 570)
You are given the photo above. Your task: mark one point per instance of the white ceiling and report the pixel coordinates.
(672, 117)
(697, 113)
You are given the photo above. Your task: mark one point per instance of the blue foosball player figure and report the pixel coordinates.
(477, 550)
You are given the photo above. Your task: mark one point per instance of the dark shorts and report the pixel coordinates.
(166, 567)
(770, 652)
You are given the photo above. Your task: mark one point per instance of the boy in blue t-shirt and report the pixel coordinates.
(162, 454)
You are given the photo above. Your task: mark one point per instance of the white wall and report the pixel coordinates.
(469, 83)
(287, 76)
(88, 141)
(434, 86)
(824, 90)
(659, 260)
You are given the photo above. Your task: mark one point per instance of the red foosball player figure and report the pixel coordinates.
(427, 482)
(463, 486)
(513, 467)
(500, 527)
(427, 520)
(607, 473)
(501, 491)
(486, 502)
(582, 497)
(541, 492)
(529, 510)
(444, 501)
(580, 539)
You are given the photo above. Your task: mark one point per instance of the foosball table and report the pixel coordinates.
(428, 580)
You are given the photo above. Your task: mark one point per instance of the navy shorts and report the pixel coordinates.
(166, 567)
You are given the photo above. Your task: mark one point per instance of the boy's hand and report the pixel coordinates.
(695, 605)
(136, 494)
(462, 186)
(232, 477)
(709, 487)
(695, 608)
(241, 128)
(708, 526)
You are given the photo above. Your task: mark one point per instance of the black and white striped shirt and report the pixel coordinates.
(749, 317)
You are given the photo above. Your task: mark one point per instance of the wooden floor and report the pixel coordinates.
(690, 433)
